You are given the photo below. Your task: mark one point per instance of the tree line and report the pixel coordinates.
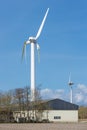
(19, 99)
(82, 112)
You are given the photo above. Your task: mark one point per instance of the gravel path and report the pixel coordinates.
(45, 126)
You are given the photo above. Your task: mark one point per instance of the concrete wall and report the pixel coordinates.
(61, 115)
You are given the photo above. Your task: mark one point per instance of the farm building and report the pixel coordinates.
(56, 110)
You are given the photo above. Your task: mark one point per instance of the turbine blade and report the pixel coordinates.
(38, 51)
(24, 50)
(70, 82)
(42, 24)
(69, 77)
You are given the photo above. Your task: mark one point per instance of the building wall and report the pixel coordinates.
(51, 115)
(61, 115)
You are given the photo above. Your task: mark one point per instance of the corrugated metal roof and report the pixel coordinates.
(58, 104)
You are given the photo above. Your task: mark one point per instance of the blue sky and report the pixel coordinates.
(63, 44)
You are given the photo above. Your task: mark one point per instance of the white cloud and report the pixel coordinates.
(49, 93)
(79, 97)
(82, 88)
(79, 94)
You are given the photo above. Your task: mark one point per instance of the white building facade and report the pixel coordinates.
(61, 115)
(57, 111)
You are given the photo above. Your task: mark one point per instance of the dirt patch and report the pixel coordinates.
(44, 126)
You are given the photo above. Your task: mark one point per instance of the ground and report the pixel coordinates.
(45, 126)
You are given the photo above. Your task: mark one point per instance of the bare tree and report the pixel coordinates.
(5, 106)
(37, 106)
(27, 101)
(19, 98)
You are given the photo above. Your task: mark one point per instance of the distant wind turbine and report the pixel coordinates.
(33, 41)
(70, 83)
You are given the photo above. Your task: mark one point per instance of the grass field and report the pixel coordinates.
(45, 126)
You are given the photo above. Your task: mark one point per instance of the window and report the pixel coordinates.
(57, 117)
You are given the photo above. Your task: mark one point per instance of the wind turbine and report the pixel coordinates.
(33, 41)
(70, 83)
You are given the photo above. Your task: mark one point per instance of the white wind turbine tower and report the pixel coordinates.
(33, 41)
(70, 83)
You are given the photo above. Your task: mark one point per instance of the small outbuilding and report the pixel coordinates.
(61, 111)
(55, 110)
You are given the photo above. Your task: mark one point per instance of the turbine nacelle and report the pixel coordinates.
(70, 83)
(32, 39)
